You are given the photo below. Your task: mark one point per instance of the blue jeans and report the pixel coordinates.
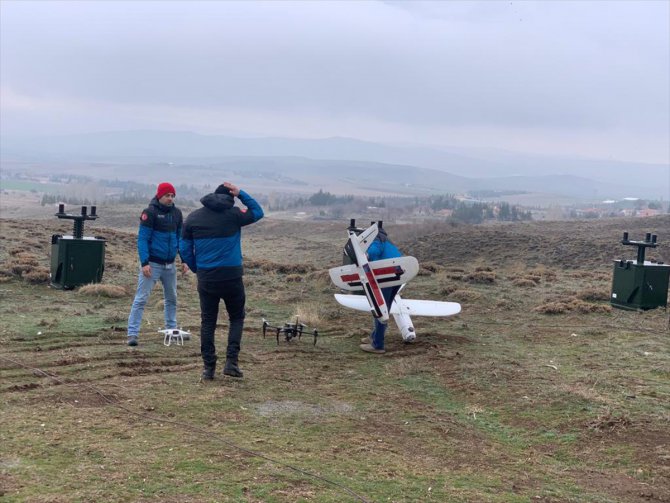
(377, 335)
(167, 274)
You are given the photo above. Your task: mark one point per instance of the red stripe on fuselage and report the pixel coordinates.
(379, 298)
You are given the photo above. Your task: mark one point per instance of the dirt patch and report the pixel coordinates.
(292, 407)
(23, 387)
(625, 488)
(85, 398)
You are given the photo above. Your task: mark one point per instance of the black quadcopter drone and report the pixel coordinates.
(290, 330)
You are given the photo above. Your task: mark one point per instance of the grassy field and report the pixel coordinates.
(537, 391)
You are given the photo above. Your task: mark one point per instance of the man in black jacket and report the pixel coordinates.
(211, 248)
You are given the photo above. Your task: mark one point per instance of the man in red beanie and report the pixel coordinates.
(157, 244)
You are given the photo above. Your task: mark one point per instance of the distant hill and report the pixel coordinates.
(342, 162)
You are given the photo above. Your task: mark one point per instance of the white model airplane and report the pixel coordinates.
(386, 273)
(370, 278)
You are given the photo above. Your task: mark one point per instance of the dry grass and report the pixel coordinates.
(594, 295)
(465, 296)
(610, 421)
(278, 268)
(310, 313)
(37, 275)
(525, 282)
(103, 290)
(571, 305)
(497, 404)
(481, 276)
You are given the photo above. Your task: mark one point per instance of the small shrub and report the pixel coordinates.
(524, 282)
(552, 308)
(424, 272)
(447, 290)
(594, 295)
(111, 265)
(465, 296)
(431, 267)
(273, 267)
(571, 305)
(293, 268)
(111, 291)
(481, 277)
(586, 307)
(608, 421)
(543, 272)
(37, 275)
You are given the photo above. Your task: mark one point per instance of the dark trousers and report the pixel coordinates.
(232, 293)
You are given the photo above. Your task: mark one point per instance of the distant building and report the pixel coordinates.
(647, 212)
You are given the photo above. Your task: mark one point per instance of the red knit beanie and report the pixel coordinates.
(165, 188)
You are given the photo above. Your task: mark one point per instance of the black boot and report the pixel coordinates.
(231, 369)
(208, 372)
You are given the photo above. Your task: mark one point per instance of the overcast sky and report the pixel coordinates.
(573, 78)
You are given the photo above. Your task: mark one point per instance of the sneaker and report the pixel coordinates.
(366, 340)
(208, 372)
(132, 340)
(231, 369)
(369, 348)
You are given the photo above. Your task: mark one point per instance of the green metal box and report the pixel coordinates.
(639, 286)
(76, 261)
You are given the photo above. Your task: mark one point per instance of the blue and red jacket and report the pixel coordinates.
(159, 233)
(211, 238)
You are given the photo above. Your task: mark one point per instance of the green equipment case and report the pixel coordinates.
(76, 260)
(640, 284)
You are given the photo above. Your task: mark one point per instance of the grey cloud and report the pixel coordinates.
(586, 65)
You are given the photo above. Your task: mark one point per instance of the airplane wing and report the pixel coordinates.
(425, 307)
(388, 272)
(407, 306)
(366, 237)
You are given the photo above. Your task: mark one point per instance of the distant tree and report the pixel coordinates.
(322, 198)
(471, 214)
(505, 213)
(442, 202)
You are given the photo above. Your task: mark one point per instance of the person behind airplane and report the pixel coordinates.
(381, 248)
(157, 245)
(211, 248)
